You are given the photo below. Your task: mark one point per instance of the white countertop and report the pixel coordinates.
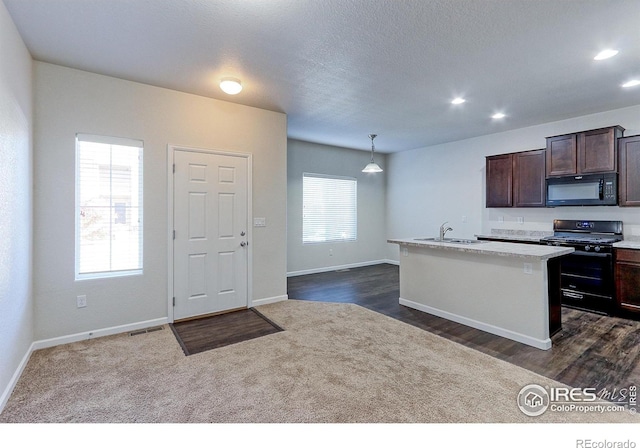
(627, 244)
(491, 248)
(523, 238)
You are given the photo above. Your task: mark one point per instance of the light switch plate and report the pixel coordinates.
(259, 222)
(528, 268)
(520, 220)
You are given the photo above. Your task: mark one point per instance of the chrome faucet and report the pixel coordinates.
(443, 231)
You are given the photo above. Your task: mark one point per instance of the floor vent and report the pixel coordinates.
(145, 330)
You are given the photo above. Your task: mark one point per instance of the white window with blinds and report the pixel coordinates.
(108, 206)
(329, 208)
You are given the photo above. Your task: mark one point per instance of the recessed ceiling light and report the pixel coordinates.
(605, 54)
(231, 86)
(498, 116)
(632, 83)
(458, 100)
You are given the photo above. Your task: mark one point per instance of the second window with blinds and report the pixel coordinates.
(329, 208)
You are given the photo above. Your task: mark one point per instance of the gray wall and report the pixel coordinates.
(322, 159)
(70, 101)
(428, 186)
(16, 302)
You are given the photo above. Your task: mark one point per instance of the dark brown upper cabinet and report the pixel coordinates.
(529, 179)
(499, 180)
(584, 152)
(516, 179)
(562, 155)
(629, 178)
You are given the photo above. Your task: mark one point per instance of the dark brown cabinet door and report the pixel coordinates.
(628, 279)
(629, 177)
(499, 172)
(529, 179)
(562, 157)
(597, 150)
(585, 152)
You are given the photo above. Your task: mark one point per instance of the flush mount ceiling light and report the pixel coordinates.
(605, 54)
(632, 83)
(458, 100)
(231, 86)
(372, 167)
(498, 116)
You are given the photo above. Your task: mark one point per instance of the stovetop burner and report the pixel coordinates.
(582, 239)
(597, 236)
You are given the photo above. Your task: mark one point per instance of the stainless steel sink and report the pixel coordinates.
(451, 240)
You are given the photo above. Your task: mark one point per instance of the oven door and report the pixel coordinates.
(586, 281)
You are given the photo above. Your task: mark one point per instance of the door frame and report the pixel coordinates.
(171, 150)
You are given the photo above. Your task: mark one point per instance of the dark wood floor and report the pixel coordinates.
(211, 332)
(590, 351)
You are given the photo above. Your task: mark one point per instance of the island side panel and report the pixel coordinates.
(491, 293)
(555, 299)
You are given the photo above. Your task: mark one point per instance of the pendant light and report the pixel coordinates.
(372, 167)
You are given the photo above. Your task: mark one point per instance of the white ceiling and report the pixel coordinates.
(342, 69)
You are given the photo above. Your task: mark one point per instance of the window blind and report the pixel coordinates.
(329, 208)
(108, 206)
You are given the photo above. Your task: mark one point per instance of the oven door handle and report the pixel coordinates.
(589, 254)
(572, 295)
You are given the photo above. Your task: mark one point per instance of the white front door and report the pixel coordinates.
(210, 217)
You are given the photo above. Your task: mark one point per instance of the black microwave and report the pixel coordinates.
(587, 189)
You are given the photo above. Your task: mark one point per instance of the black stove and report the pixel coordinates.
(586, 275)
(595, 236)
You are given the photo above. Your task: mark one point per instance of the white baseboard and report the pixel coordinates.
(337, 268)
(14, 379)
(268, 300)
(45, 343)
(543, 344)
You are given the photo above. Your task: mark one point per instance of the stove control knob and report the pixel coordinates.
(597, 248)
(587, 248)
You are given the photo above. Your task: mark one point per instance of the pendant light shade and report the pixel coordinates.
(372, 167)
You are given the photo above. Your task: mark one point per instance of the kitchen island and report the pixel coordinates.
(508, 289)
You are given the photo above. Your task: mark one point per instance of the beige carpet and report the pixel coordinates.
(333, 363)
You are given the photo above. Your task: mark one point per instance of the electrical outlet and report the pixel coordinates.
(528, 268)
(331, 252)
(464, 219)
(500, 218)
(520, 220)
(81, 301)
(405, 252)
